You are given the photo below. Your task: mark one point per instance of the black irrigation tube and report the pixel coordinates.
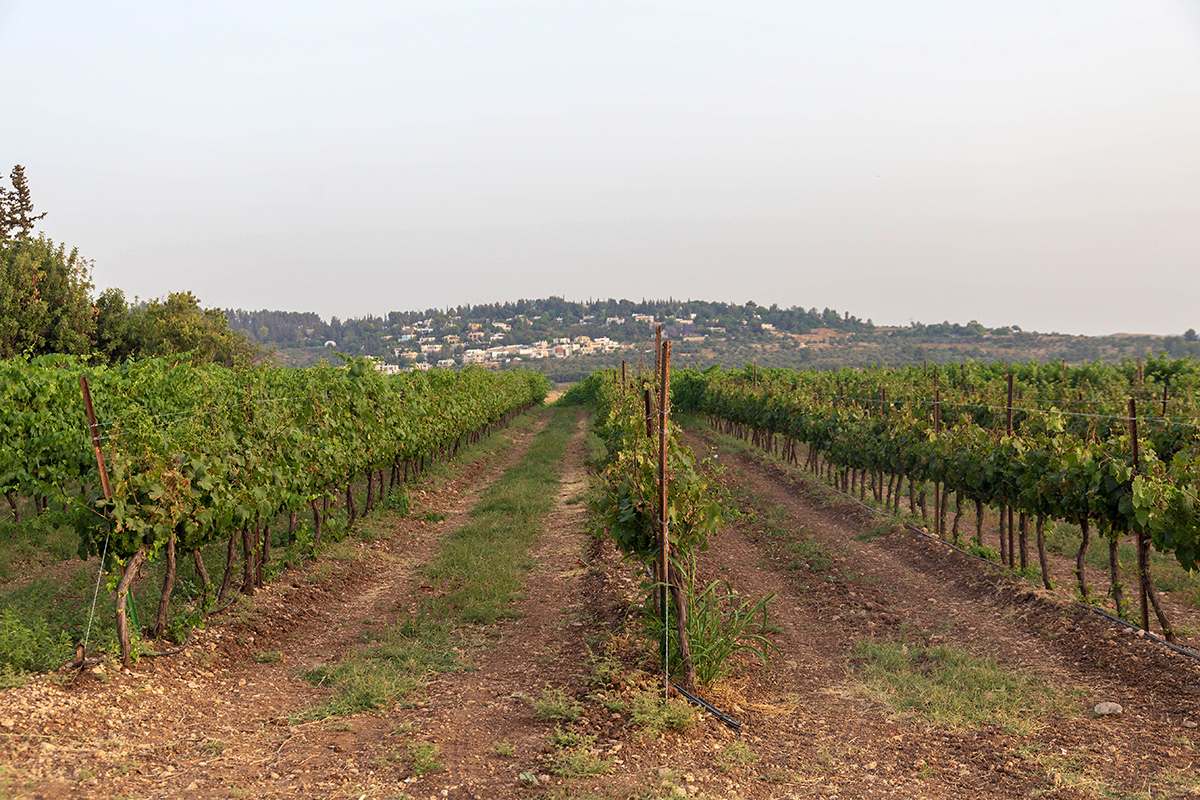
(179, 649)
(709, 707)
(1146, 634)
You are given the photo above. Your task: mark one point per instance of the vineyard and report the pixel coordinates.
(506, 625)
(1091, 445)
(183, 456)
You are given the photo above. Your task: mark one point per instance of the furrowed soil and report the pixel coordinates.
(546, 706)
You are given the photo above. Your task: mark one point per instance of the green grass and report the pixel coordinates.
(482, 565)
(423, 758)
(376, 677)
(651, 711)
(556, 704)
(809, 554)
(737, 754)
(879, 531)
(950, 686)
(35, 542)
(571, 755)
(480, 570)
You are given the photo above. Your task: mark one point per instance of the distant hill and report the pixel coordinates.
(568, 340)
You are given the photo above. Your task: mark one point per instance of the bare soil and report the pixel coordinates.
(215, 722)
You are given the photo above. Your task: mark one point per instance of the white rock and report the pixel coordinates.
(1104, 709)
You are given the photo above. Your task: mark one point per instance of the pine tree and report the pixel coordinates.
(16, 207)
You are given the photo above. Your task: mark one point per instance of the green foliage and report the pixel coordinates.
(28, 646)
(198, 450)
(571, 755)
(628, 504)
(1055, 463)
(720, 625)
(651, 711)
(555, 704)
(585, 392)
(398, 501)
(45, 303)
(176, 328)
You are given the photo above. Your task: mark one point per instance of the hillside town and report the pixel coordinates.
(450, 351)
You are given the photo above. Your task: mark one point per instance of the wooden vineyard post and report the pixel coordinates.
(658, 348)
(131, 567)
(623, 384)
(663, 532)
(1142, 554)
(1006, 509)
(649, 414)
(673, 577)
(937, 485)
(95, 431)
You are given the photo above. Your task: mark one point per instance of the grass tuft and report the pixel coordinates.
(557, 705)
(950, 686)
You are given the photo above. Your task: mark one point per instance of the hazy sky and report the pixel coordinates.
(1027, 162)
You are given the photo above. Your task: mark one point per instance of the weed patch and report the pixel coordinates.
(950, 686)
(573, 755)
(423, 758)
(557, 705)
(651, 711)
(376, 677)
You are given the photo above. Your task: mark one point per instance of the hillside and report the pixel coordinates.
(568, 340)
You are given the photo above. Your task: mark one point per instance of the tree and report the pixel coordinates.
(113, 337)
(1190, 335)
(45, 298)
(16, 208)
(178, 326)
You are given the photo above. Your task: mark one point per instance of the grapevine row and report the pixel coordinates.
(956, 431)
(196, 453)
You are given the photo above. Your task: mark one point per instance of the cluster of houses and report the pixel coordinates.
(417, 350)
(420, 347)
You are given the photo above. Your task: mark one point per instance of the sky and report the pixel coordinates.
(1022, 162)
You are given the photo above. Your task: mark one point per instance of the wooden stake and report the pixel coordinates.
(95, 430)
(657, 349)
(937, 428)
(1010, 403)
(649, 414)
(1142, 548)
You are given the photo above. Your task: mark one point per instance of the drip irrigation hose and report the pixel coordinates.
(1147, 634)
(709, 707)
(179, 649)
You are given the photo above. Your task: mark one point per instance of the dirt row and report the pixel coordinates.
(216, 723)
